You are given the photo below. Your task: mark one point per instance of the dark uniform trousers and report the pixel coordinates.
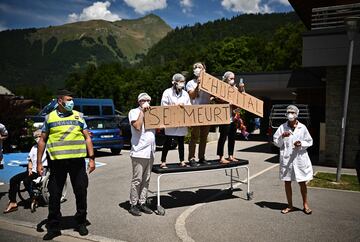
(79, 181)
(226, 131)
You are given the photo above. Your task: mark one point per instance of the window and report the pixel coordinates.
(91, 110)
(107, 110)
(77, 108)
(101, 124)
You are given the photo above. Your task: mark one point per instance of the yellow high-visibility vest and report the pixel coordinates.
(65, 141)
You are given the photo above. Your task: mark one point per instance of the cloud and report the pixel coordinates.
(99, 10)
(283, 2)
(186, 5)
(143, 6)
(3, 27)
(245, 6)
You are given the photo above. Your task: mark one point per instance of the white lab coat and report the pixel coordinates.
(170, 97)
(295, 164)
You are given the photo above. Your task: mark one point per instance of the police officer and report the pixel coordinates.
(68, 142)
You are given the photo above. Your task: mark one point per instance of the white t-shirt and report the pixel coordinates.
(169, 98)
(33, 157)
(203, 98)
(143, 141)
(3, 132)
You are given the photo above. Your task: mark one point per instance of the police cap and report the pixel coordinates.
(64, 92)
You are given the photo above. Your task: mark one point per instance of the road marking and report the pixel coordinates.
(28, 228)
(180, 224)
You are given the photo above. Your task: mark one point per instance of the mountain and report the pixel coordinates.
(189, 41)
(36, 56)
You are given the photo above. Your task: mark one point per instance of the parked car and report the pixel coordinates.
(278, 117)
(159, 134)
(105, 133)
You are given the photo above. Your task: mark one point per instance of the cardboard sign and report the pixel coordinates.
(186, 116)
(228, 93)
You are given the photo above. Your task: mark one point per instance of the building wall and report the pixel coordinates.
(335, 88)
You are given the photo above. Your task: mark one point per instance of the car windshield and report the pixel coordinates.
(101, 124)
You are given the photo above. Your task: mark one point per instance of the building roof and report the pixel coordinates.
(305, 8)
(308, 78)
(272, 85)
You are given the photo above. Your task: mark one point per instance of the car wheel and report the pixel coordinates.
(115, 151)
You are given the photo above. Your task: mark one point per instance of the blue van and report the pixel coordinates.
(100, 117)
(88, 106)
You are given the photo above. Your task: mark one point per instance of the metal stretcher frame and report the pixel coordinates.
(161, 211)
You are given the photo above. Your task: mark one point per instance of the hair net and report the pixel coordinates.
(198, 64)
(144, 96)
(292, 108)
(227, 74)
(37, 133)
(178, 77)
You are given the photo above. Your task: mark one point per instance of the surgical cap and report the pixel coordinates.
(227, 74)
(37, 133)
(292, 108)
(144, 96)
(178, 77)
(199, 64)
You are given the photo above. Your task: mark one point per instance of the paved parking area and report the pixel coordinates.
(202, 213)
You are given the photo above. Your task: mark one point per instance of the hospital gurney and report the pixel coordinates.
(175, 169)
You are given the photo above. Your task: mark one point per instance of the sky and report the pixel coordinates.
(19, 14)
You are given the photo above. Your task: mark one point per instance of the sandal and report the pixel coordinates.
(233, 159)
(224, 161)
(307, 211)
(12, 209)
(183, 164)
(287, 210)
(163, 165)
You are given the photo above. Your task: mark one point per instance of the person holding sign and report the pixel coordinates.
(198, 97)
(175, 95)
(293, 139)
(142, 156)
(228, 130)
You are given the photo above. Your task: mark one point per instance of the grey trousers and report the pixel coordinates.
(140, 180)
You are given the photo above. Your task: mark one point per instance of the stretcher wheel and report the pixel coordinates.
(160, 210)
(250, 195)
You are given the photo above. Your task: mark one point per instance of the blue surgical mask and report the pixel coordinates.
(69, 105)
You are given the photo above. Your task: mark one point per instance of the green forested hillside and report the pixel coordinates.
(190, 43)
(248, 43)
(33, 57)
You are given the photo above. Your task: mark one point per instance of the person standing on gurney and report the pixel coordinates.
(175, 95)
(228, 130)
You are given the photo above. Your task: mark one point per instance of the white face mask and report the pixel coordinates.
(291, 116)
(197, 71)
(37, 139)
(232, 82)
(145, 105)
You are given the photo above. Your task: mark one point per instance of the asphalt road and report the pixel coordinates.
(201, 212)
